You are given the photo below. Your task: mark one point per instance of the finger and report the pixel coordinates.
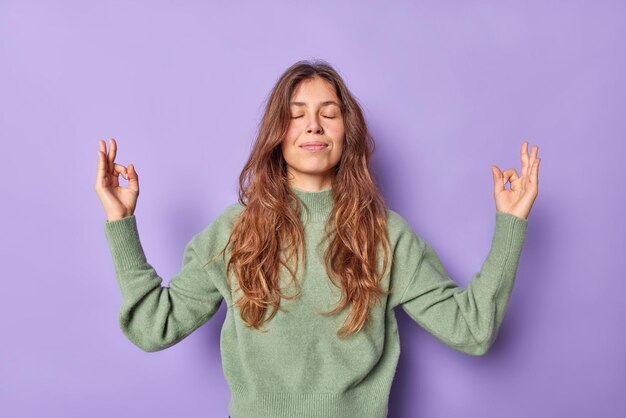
(112, 154)
(120, 169)
(103, 146)
(103, 164)
(534, 172)
(133, 178)
(113, 175)
(498, 183)
(524, 157)
(101, 175)
(532, 159)
(115, 181)
(510, 175)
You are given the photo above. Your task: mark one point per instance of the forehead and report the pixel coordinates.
(314, 91)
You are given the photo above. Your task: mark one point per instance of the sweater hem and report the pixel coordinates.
(357, 402)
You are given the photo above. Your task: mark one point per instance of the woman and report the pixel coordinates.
(311, 263)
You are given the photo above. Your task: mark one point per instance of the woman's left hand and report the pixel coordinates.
(519, 199)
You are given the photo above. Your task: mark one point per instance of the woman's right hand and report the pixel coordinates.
(118, 202)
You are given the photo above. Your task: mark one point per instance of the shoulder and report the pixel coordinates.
(402, 236)
(229, 214)
(226, 218)
(397, 225)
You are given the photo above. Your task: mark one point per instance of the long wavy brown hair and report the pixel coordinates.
(268, 234)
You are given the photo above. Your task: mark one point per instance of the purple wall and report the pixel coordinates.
(448, 89)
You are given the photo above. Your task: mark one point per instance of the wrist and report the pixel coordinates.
(113, 218)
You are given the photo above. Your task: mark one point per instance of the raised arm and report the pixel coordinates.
(152, 316)
(466, 319)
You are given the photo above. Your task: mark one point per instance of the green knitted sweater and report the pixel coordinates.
(299, 367)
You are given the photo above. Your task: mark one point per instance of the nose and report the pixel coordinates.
(314, 127)
(317, 130)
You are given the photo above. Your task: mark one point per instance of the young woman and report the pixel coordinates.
(311, 263)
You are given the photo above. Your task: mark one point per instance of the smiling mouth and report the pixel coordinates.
(314, 146)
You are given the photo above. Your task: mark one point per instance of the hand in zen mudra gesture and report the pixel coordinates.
(519, 198)
(117, 201)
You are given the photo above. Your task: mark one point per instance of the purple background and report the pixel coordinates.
(448, 88)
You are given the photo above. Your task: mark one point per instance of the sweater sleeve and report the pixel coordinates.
(155, 317)
(465, 319)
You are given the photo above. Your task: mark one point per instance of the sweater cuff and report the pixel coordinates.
(124, 243)
(507, 243)
(507, 224)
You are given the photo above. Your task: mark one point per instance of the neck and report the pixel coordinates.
(316, 205)
(310, 182)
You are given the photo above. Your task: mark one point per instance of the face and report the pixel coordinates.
(314, 141)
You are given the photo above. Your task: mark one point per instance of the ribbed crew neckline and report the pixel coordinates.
(317, 205)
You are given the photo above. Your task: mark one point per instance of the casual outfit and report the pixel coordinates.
(299, 367)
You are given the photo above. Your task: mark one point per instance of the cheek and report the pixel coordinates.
(285, 148)
(289, 153)
(339, 150)
(292, 133)
(340, 133)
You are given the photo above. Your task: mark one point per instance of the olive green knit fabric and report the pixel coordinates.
(298, 366)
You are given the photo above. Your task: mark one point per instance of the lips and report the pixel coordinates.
(314, 145)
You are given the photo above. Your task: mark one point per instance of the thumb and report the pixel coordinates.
(133, 178)
(498, 184)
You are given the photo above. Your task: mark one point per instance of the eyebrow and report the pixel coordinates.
(326, 103)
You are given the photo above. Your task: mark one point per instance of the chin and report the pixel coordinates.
(315, 169)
